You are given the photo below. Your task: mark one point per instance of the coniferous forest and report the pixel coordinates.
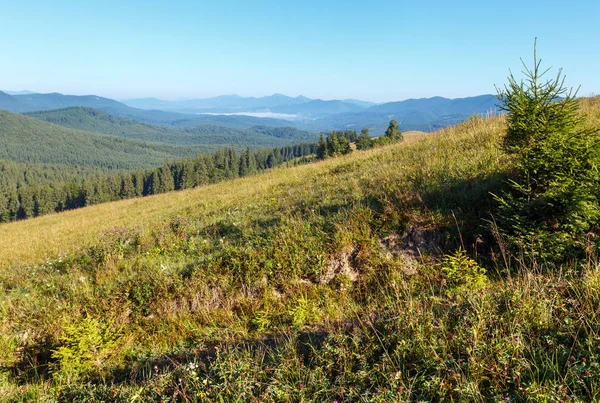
(31, 190)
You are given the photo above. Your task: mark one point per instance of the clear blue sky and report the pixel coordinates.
(372, 50)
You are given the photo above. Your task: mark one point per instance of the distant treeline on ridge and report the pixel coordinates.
(20, 199)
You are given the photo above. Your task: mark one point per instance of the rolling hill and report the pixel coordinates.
(43, 102)
(223, 103)
(10, 103)
(426, 114)
(318, 108)
(28, 140)
(209, 135)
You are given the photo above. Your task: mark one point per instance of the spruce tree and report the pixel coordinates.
(364, 141)
(333, 144)
(552, 209)
(393, 132)
(322, 151)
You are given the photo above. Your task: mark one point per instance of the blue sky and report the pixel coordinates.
(372, 50)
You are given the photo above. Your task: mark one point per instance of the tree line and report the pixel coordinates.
(28, 190)
(338, 142)
(21, 199)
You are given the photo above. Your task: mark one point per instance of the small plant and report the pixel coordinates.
(86, 348)
(462, 271)
(117, 241)
(179, 226)
(261, 321)
(302, 312)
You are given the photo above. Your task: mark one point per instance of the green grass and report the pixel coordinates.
(338, 280)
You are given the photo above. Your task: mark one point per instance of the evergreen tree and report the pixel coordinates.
(138, 183)
(393, 132)
(322, 151)
(344, 145)
(553, 206)
(127, 187)
(188, 178)
(167, 182)
(333, 144)
(364, 141)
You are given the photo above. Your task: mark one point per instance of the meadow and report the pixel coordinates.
(378, 276)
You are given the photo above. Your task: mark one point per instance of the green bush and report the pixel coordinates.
(461, 271)
(86, 348)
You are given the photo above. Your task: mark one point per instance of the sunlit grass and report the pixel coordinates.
(35, 239)
(317, 282)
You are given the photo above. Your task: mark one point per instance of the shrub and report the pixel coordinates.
(461, 271)
(86, 348)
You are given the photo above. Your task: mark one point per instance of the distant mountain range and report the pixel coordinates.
(25, 92)
(277, 110)
(223, 103)
(301, 107)
(44, 102)
(424, 114)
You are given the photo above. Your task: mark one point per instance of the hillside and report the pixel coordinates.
(24, 139)
(343, 280)
(10, 103)
(40, 102)
(93, 120)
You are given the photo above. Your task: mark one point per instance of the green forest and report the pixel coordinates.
(31, 190)
(208, 135)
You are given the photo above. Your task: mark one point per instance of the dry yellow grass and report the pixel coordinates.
(30, 241)
(413, 134)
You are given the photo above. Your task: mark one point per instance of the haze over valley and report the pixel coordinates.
(312, 115)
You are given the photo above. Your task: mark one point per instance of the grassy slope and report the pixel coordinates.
(318, 282)
(89, 223)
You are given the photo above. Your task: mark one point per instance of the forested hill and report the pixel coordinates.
(24, 139)
(93, 120)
